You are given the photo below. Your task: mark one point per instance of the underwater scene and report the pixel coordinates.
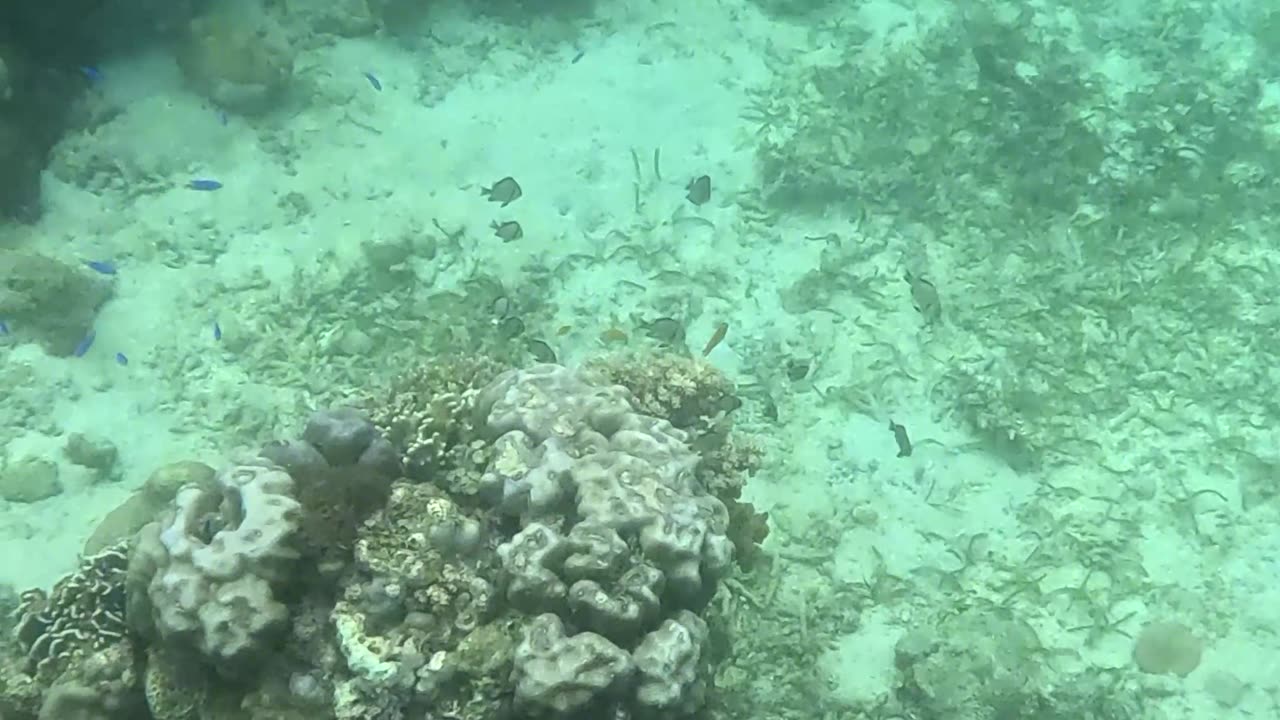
(639, 360)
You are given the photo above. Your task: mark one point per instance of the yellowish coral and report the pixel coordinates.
(688, 392)
(693, 395)
(427, 413)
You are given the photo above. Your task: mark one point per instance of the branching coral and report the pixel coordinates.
(427, 413)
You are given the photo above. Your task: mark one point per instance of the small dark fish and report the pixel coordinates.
(728, 403)
(769, 409)
(505, 191)
(83, 346)
(122, 359)
(4, 328)
(699, 189)
(217, 331)
(541, 351)
(91, 73)
(924, 297)
(577, 57)
(204, 184)
(507, 231)
(668, 331)
(797, 370)
(106, 267)
(721, 330)
(373, 80)
(900, 435)
(510, 327)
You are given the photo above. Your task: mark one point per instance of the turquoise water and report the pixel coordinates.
(740, 360)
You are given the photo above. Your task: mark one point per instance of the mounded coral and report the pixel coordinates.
(668, 664)
(343, 467)
(696, 397)
(573, 447)
(37, 101)
(619, 536)
(6, 89)
(145, 504)
(567, 674)
(217, 561)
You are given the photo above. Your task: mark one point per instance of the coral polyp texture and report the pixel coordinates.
(314, 579)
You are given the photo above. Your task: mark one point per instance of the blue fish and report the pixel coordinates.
(4, 328)
(222, 118)
(106, 267)
(91, 73)
(373, 80)
(120, 358)
(217, 330)
(204, 184)
(83, 346)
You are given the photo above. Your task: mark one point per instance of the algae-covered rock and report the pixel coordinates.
(486, 651)
(29, 480)
(239, 60)
(145, 504)
(95, 453)
(48, 301)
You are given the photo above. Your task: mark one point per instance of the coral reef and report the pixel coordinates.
(310, 580)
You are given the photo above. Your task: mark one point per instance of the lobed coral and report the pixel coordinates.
(572, 447)
(695, 396)
(619, 536)
(216, 561)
